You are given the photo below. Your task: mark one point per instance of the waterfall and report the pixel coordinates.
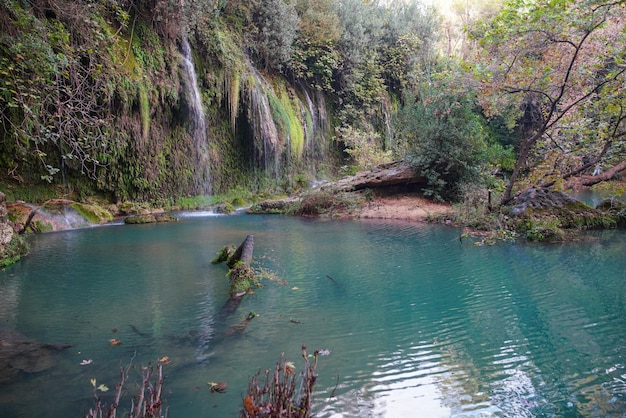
(274, 116)
(198, 123)
(316, 130)
(266, 139)
(310, 130)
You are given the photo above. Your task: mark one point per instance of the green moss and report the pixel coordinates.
(224, 254)
(238, 202)
(196, 202)
(224, 208)
(241, 278)
(40, 226)
(93, 213)
(14, 250)
(296, 130)
(144, 110)
(140, 219)
(541, 228)
(273, 207)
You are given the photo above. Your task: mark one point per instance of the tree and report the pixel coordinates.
(443, 135)
(275, 25)
(545, 61)
(54, 101)
(316, 57)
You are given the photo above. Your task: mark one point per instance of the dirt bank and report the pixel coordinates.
(407, 207)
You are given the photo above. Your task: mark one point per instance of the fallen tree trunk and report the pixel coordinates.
(243, 253)
(587, 180)
(240, 274)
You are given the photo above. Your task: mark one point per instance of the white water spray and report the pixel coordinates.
(199, 129)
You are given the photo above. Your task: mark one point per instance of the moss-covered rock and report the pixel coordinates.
(274, 207)
(545, 215)
(92, 213)
(165, 218)
(140, 219)
(224, 208)
(615, 208)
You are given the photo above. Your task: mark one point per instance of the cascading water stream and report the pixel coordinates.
(264, 127)
(199, 129)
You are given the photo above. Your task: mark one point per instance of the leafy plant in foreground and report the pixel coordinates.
(278, 397)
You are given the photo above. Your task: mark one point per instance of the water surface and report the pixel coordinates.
(417, 322)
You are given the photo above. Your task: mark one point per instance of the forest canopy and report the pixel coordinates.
(504, 95)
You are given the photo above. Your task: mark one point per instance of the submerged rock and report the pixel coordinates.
(21, 354)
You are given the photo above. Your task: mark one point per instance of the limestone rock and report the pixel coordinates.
(384, 175)
(543, 199)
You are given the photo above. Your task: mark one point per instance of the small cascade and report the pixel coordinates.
(316, 128)
(271, 110)
(310, 129)
(198, 128)
(266, 139)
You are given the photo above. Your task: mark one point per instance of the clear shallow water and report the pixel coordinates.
(417, 322)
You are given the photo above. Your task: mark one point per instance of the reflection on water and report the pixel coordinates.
(594, 197)
(417, 323)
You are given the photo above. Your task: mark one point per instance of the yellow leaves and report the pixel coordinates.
(217, 387)
(101, 388)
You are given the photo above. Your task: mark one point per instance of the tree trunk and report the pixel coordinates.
(243, 253)
(521, 160)
(591, 180)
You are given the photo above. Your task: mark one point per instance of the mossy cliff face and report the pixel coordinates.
(97, 96)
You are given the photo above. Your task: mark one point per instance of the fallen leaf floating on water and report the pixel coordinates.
(165, 360)
(102, 388)
(86, 362)
(219, 387)
(115, 341)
